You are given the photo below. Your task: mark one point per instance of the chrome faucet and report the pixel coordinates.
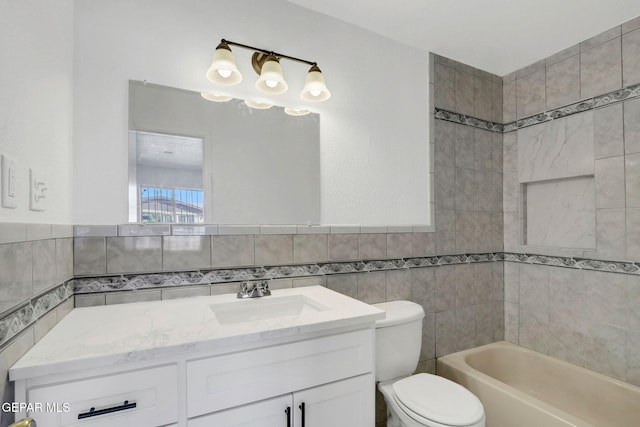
(254, 290)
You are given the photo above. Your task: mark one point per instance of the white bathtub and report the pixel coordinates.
(522, 388)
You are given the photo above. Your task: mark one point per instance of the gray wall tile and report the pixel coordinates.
(89, 300)
(482, 191)
(230, 251)
(444, 143)
(444, 187)
(424, 244)
(399, 245)
(496, 152)
(398, 285)
(531, 94)
(610, 186)
(610, 233)
(496, 102)
(346, 284)
(134, 254)
(630, 25)
(601, 69)
(563, 83)
(16, 279)
(423, 288)
(483, 282)
(601, 38)
(44, 265)
(446, 333)
(466, 328)
(444, 96)
(64, 259)
(186, 292)
(632, 126)
(633, 233)
(445, 288)
(631, 58)
(483, 95)
(482, 145)
(563, 54)
(509, 102)
(274, 249)
(464, 92)
(89, 256)
(465, 287)
(464, 180)
(445, 232)
(608, 136)
(484, 231)
(463, 136)
(343, 247)
(299, 282)
(605, 349)
(632, 180)
(130, 297)
(310, 248)
(186, 252)
(465, 232)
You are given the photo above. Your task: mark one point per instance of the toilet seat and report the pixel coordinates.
(430, 399)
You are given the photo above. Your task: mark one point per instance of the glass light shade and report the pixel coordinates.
(296, 111)
(223, 69)
(271, 80)
(315, 89)
(257, 105)
(215, 98)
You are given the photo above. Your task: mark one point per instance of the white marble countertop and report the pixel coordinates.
(105, 336)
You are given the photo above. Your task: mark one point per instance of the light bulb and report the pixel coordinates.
(315, 92)
(224, 73)
(271, 83)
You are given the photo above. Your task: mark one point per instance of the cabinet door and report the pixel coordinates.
(267, 413)
(346, 403)
(143, 398)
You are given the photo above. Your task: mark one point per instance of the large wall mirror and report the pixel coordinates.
(196, 161)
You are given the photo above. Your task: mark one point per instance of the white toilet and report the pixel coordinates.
(423, 399)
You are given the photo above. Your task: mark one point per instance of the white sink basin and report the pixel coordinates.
(269, 307)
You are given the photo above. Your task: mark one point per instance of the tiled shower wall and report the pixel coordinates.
(36, 290)
(586, 317)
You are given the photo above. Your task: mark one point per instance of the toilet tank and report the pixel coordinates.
(398, 339)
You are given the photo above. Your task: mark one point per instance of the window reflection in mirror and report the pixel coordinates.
(167, 179)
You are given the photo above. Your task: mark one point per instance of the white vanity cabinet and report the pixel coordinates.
(346, 403)
(176, 363)
(329, 377)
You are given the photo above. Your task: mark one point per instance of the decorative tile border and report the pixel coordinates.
(577, 263)
(26, 315)
(13, 323)
(88, 285)
(153, 281)
(462, 119)
(623, 94)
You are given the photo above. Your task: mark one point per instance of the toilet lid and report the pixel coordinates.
(438, 399)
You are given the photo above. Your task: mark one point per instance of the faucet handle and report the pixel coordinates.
(263, 287)
(244, 290)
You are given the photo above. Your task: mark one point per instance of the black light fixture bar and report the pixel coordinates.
(269, 52)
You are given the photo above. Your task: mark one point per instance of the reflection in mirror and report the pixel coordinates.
(168, 178)
(192, 160)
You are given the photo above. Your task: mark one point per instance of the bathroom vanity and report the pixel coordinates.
(300, 357)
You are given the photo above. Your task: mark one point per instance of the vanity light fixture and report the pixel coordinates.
(266, 63)
(296, 111)
(258, 105)
(215, 98)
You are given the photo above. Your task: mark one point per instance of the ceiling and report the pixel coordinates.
(499, 36)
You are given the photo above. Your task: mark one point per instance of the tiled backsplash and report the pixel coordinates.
(36, 290)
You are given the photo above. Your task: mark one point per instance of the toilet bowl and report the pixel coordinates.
(421, 400)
